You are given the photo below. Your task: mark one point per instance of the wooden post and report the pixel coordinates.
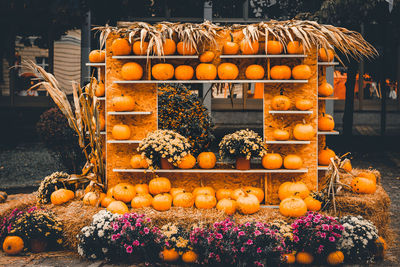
(85, 48)
(206, 86)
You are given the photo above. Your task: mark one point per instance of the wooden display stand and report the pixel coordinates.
(144, 120)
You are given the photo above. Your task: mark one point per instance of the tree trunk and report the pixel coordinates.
(349, 102)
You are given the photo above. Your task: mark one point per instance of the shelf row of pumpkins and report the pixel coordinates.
(159, 195)
(208, 71)
(122, 47)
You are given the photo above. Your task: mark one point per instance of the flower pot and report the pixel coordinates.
(165, 164)
(38, 245)
(242, 164)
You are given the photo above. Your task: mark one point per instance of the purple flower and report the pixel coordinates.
(138, 224)
(257, 233)
(332, 239)
(129, 249)
(247, 224)
(316, 220)
(218, 236)
(242, 249)
(249, 242)
(341, 227)
(146, 230)
(136, 243)
(325, 227)
(259, 250)
(323, 235)
(296, 238)
(240, 233)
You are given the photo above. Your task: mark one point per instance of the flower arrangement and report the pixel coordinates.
(316, 233)
(8, 221)
(134, 236)
(228, 243)
(285, 230)
(38, 224)
(165, 144)
(95, 239)
(358, 239)
(176, 237)
(50, 184)
(242, 144)
(182, 111)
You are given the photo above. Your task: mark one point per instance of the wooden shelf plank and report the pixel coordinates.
(328, 64)
(156, 57)
(129, 113)
(101, 98)
(322, 168)
(288, 142)
(328, 133)
(210, 81)
(265, 56)
(95, 64)
(290, 112)
(124, 141)
(328, 98)
(214, 171)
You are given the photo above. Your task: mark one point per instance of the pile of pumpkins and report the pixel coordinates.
(364, 183)
(305, 258)
(282, 102)
(159, 195)
(296, 199)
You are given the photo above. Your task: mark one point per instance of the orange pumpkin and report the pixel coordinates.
(301, 72)
(363, 185)
(224, 193)
(102, 122)
(304, 258)
(280, 135)
(176, 190)
(140, 48)
(249, 47)
(13, 245)
(184, 200)
(312, 204)
(93, 199)
(137, 162)
(159, 185)
(324, 156)
(120, 47)
(227, 205)
(204, 190)
(110, 192)
(272, 161)
(100, 89)
(274, 47)
(228, 71)
(169, 255)
(131, 71)
(368, 175)
(205, 201)
(185, 49)
(207, 56)
(206, 160)
(124, 192)
(289, 189)
(303, 132)
(187, 162)
(162, 202)
(239, 192)
(121, 132)
(162, 71)
(295, 47)
(230, 48)
(335, 258)
(280, 72)
(303, 104)
(326, 55)
(206, 71)
(346, 165)
(189, 257)
(326, 122)
(118, 207)
(184, 72)
(142, 189)
(248, 204)
(123, 103)
(325, 89)
(258, 192)
(288, 258)
(61, 196)
(293, 207)
(280, 102)
(97, 56)
(255, 72)
(168, 47)
(141, 201)
(106, 201)
(381, 247)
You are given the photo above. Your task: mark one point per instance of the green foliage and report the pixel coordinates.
(55, 132)
(181, 111)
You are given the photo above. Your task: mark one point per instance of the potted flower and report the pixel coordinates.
(164, 148)
(242, 145)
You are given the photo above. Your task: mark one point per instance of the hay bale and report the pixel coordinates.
(74, 216)
(17, 201)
